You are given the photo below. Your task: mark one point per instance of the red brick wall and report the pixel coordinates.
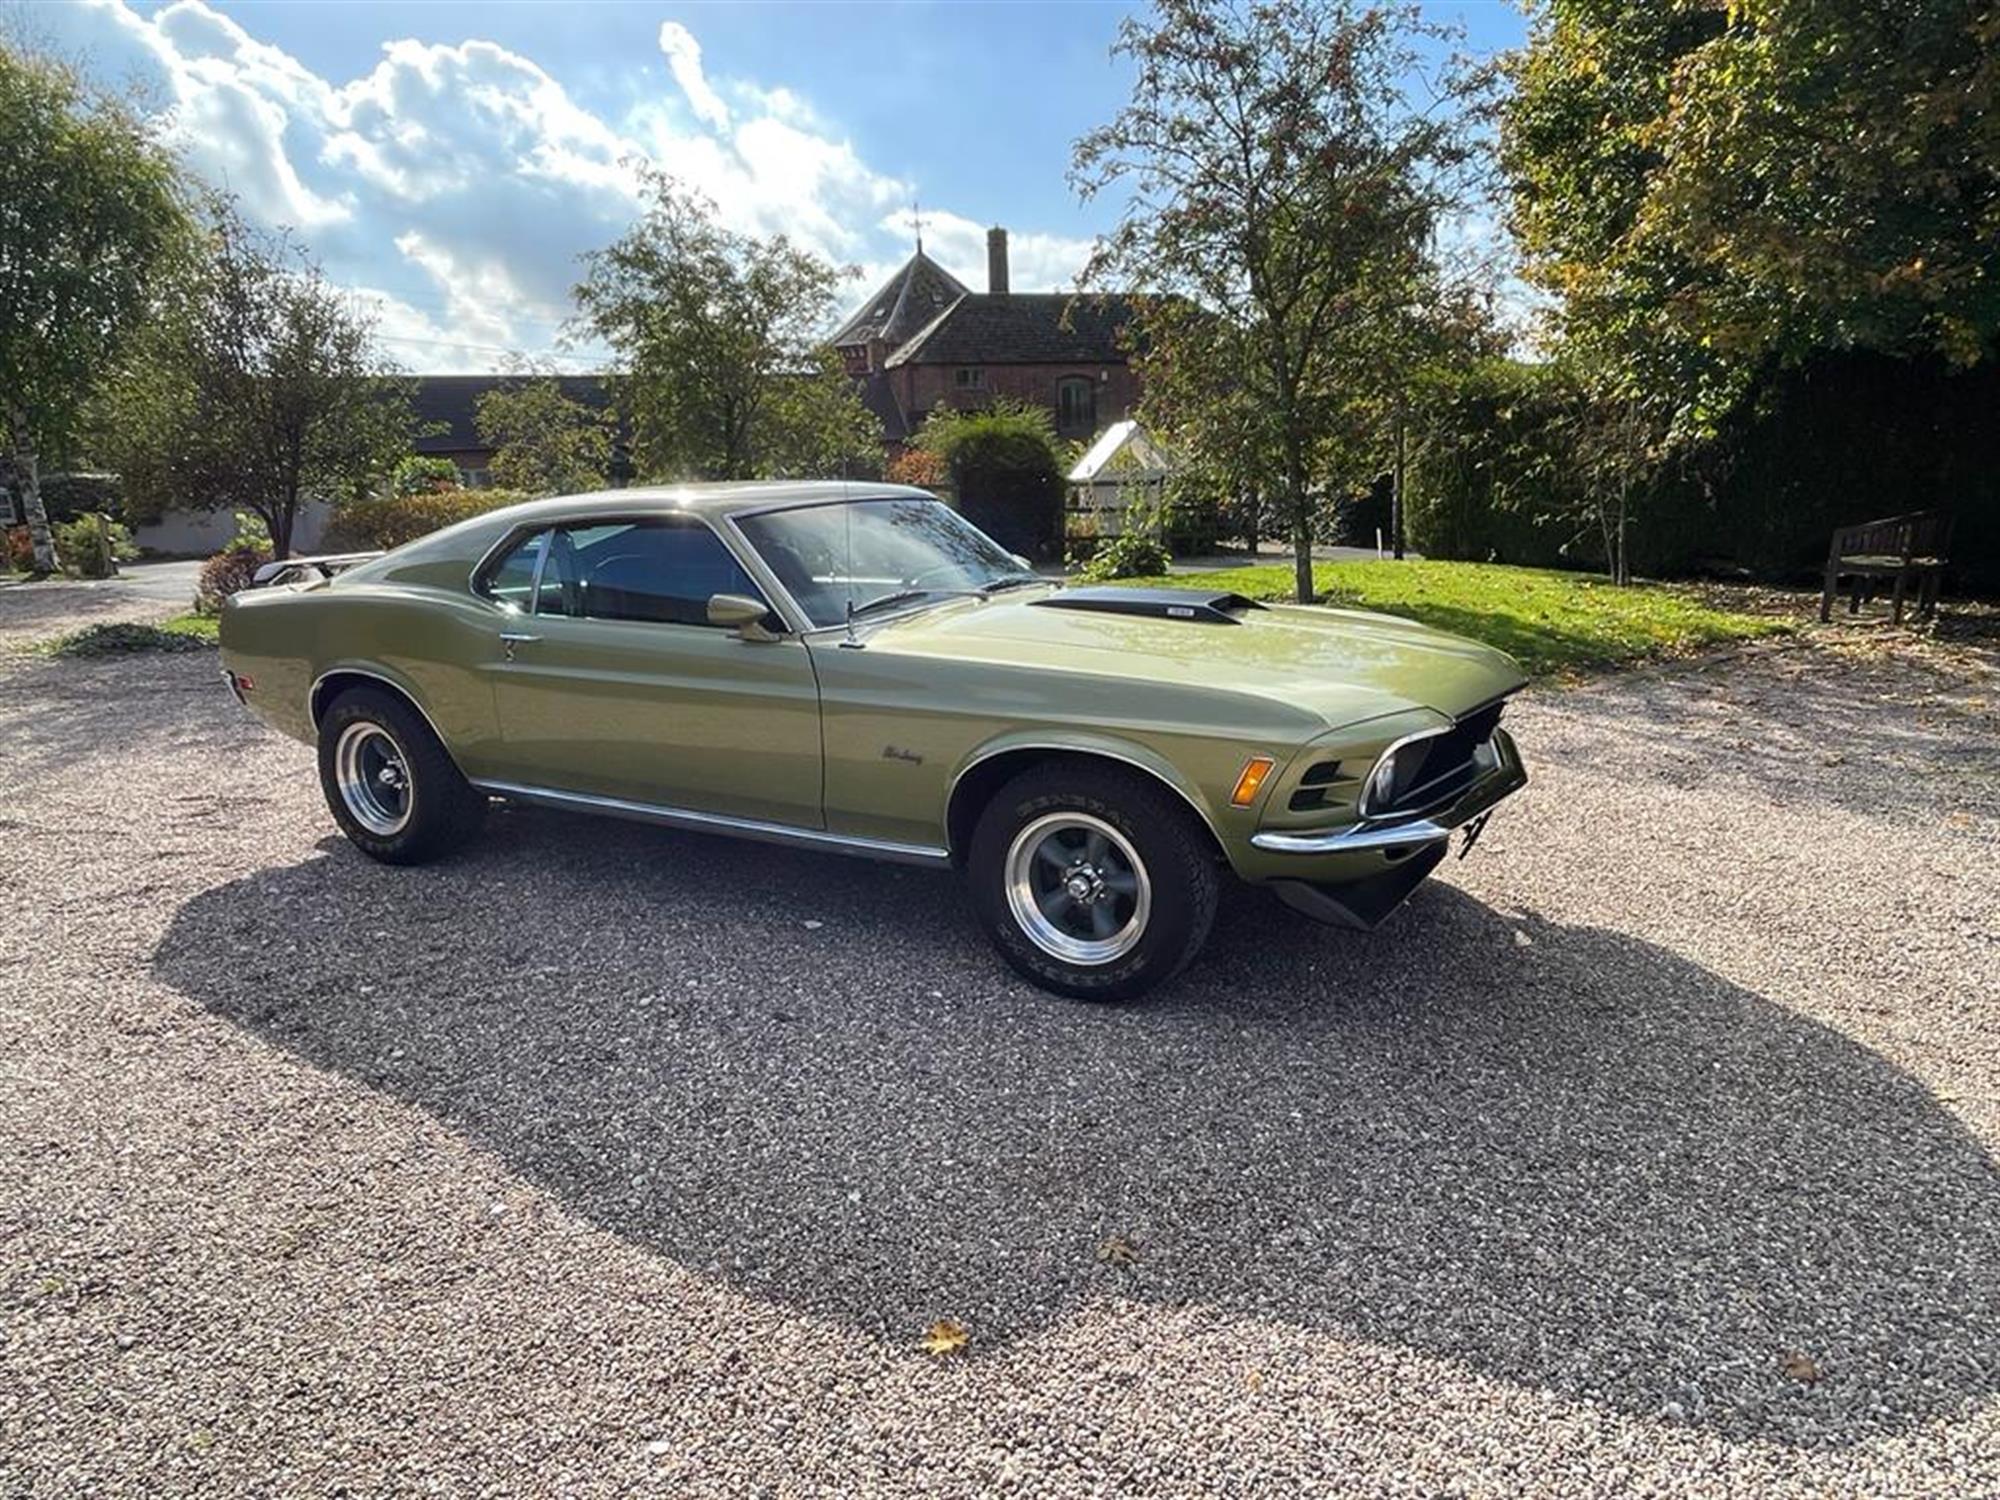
(920, 387)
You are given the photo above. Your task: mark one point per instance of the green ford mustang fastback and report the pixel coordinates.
(857, 668)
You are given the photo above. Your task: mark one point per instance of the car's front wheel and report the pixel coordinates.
(1093, 881)
(390, 783)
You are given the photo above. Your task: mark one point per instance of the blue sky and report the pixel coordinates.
(449, 162)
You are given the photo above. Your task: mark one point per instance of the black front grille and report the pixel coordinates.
(1448, 766)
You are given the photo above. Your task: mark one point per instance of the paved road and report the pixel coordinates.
(1651, 1150)
(168, 582)
(55, 606)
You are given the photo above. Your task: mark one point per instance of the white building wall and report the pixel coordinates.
(200, 533)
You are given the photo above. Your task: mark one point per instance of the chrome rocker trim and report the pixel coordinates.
(1507, 777)
(701, 822)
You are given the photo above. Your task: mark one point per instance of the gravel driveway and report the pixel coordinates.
(1650, 1150)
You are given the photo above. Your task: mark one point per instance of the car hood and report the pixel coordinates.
(1345, 665)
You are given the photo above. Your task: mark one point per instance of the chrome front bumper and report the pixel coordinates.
(1375, 835)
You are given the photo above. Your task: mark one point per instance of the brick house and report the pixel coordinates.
(925, 339)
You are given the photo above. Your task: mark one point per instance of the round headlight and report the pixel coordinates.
(1392, 776)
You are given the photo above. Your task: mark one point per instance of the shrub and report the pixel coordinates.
(1007, 469)
(92, 546)
(418, 475)
(123, 639)
(1492, 477)
(76, 496)
(230, 571)
(1136, 554)
(17, 549)
(918, 466)
(367, 525)
(235, 566)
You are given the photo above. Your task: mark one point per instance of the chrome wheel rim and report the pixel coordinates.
(1077, 888)
(374, 778)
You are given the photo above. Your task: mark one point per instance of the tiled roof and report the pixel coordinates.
(1022, 328)
(451, 401)
(880, 399)
(907, 301)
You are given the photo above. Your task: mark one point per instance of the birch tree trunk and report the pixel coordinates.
(27, 470)
(1396, 492)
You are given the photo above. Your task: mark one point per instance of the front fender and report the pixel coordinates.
(1087, 742)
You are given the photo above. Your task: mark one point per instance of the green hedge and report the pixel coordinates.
(1841, 439)
(368, 525)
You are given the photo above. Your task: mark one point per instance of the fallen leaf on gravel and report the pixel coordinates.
(1254, 1380)
(1802, 1367)
(946, 1336)
(1118, 1251)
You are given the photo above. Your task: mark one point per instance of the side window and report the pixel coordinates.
(512, 579)
(663, 571)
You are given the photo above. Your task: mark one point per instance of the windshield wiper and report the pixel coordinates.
(906, 596)
(1011, 581)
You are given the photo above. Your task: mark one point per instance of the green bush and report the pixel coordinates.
(371, 525)
(76, 496)
(1491, 478)
(1136, 554)
(92, 547)
(419, 475)
(1006, 468)
(124, 639)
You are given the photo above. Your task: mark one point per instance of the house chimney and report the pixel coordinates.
(996, 260)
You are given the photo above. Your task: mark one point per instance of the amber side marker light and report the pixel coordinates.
(1251, 781)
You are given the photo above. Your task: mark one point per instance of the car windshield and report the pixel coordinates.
(877, 553)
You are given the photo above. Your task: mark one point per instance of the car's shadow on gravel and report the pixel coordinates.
(1556, 1155)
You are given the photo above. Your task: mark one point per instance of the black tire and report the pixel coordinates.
(440, 810)
(1177, 866)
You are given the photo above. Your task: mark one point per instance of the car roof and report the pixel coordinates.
(707, 500)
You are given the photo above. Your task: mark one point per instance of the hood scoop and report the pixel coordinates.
(1202, 606)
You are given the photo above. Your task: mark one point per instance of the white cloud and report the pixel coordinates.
(455, 188)
(684, 59)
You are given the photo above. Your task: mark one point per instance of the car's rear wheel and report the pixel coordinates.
(1093, 881)
(390, 784)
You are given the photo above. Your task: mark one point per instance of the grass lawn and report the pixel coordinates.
(1550, 622)
(202, 627)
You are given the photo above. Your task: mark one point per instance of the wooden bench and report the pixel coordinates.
(1906, 549)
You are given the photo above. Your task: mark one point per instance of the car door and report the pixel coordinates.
(609, 680)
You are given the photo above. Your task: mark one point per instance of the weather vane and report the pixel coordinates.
(917, 218)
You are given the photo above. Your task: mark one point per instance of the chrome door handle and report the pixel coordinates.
(509, 639)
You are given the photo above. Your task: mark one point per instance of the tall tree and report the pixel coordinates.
(90, 208)
(1713, 191)
(258, 389)
(543, 441)
(1288, 162)
(718, 339)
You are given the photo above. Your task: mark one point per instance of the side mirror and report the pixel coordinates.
(742, 614)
